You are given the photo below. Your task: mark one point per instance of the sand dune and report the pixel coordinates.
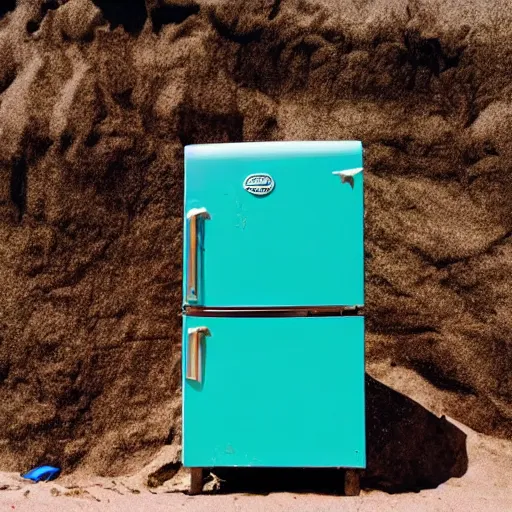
(95, 107)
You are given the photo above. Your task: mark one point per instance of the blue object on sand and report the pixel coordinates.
(42, 473)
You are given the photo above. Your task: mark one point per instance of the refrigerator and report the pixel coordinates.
(273, 291)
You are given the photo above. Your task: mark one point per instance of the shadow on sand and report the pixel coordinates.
(408, 449)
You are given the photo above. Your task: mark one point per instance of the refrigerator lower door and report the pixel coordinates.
(274, 392)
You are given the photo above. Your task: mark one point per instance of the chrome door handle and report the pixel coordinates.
(192, 216)
(195, 352)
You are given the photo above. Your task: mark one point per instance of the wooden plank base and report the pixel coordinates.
(352, 485)
(196, 481)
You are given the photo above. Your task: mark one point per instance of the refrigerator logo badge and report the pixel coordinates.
(259, 184)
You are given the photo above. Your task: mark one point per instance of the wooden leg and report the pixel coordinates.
(352, 483)
(196, 480)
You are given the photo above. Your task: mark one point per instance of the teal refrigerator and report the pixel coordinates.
(273, 291)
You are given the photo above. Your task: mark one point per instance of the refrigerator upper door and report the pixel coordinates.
(274, 224)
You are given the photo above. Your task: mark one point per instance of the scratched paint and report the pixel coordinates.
(242, 219)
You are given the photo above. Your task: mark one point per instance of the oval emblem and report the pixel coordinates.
(259, 184)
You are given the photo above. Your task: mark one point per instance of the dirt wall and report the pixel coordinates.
(96, 103)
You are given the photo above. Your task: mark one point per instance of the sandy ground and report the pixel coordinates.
(487, 486)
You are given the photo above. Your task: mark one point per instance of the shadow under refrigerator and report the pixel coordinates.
(273, 286)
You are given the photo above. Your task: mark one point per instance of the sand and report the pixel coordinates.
(96, 104)
(486, 487)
